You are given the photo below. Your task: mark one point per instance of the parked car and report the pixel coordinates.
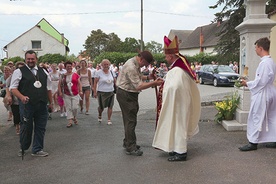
(217, 74)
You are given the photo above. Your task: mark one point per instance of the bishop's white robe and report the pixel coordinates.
(180, 112)
(261, 125)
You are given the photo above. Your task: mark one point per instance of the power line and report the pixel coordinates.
(72, 13)
(107, 12)
(178, 14)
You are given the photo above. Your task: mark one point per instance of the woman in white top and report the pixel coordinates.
(86, 82)
(54, 74)
(7, 74)
(103, 90)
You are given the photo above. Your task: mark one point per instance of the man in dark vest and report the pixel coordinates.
(32, 85)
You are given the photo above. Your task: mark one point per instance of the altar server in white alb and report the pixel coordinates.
(261, 125)
(178, 104)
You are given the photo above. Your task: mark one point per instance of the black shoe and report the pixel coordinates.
(137, 146)
(178, 157)
(136, 152)
(249, 147)
(271, 145)
(172, 153)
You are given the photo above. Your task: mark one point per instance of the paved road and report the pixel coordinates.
(92, 153)
(147, 100)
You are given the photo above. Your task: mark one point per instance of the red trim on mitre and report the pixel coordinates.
(183, 63)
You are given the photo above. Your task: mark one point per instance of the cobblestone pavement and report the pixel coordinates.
(92, 152)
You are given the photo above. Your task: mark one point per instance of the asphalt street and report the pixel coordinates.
(92, 152)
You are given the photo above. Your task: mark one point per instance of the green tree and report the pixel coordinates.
(154, 47)
(271, 6)
(98, 42)
(229, 43)
(130, 45)
(95, 43)
(113, 44)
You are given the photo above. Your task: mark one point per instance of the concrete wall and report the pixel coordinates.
(24, 43)
(273, 39)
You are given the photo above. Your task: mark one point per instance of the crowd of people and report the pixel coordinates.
(65, 87)
(34, 91)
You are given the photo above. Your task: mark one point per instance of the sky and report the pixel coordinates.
(77, 18)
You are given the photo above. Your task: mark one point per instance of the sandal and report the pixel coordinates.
(17, 128)
(86, 113)
(75, 121)
(109, 122)
(69, 125)
(100, 119)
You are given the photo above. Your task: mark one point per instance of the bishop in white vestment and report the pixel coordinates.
(180, 110)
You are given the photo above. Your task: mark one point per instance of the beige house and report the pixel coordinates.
(202, 39)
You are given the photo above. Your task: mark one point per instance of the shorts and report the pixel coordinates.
(86, 88)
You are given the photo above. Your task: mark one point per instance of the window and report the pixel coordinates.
(36, 45)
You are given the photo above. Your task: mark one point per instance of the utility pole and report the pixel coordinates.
(142, 46)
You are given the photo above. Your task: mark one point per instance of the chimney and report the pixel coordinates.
(201, 40)
(219, 22)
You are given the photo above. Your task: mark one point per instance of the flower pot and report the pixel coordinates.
(229, 116)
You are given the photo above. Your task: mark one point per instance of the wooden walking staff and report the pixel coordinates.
(153, 74)
(158, 94)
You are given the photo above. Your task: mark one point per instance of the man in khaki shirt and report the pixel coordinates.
(130, 83)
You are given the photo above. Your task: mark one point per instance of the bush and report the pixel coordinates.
(51, 58)
(119, 57)
(202, 58)
(13, 59)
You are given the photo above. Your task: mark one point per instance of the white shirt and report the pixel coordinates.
(17, 76)
(93, 71)
(106, 81)
(63, 71)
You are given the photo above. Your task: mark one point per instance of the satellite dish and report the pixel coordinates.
(25, 48)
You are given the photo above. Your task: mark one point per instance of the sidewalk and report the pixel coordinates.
(92, 153)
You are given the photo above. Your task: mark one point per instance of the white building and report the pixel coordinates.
(42, 38)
